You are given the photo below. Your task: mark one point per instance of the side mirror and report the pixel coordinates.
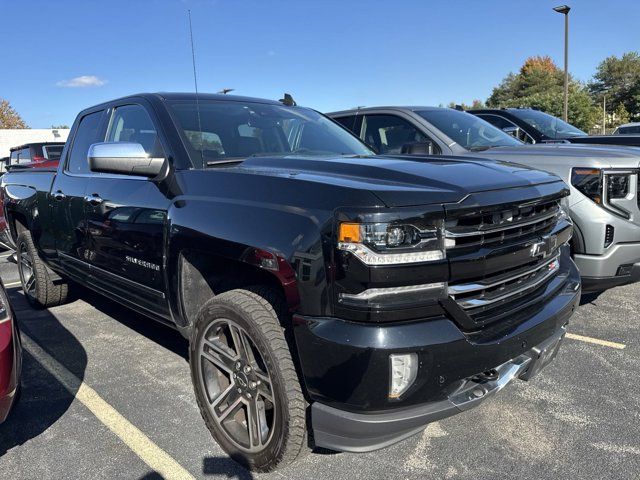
(513, 131)
(417, 148)
(125, 158)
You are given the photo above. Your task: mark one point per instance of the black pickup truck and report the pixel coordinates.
(534, 126)
(331, 297)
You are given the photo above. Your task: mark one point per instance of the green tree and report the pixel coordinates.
(475, 104)
(9, 118)
(62, 126)
(620, 115)
(619, 79)
(540, 84)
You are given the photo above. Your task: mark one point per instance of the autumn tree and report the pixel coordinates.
(540, 84)
(9, 118)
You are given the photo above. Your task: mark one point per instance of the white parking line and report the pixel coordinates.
(596, 341)
(130, 435)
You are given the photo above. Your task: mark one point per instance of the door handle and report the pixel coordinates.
(94, 199)
(59, 195)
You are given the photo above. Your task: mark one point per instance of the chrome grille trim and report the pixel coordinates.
(487, 228)
(472, 287)
(540, 276)
(505, 226)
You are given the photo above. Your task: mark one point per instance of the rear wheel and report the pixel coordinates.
(245, 381)
(41, 291)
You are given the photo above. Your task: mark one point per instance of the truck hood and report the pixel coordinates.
(403, 180)
(628, 139)
(606, 156)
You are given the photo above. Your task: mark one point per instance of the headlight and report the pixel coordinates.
(391, 243)
(589, 182)
(603, 186)
(617, 185)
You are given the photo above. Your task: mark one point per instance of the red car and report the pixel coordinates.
(10, 356)
(30, 155)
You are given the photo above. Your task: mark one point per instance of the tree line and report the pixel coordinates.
(540, 84)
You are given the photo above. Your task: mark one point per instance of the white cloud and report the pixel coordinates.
(81, 82)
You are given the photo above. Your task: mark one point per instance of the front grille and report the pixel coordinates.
(501, 226)
(518, 252)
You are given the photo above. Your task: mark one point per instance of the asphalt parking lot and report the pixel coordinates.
(107, 394)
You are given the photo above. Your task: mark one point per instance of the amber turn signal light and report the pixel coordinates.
(349, 233)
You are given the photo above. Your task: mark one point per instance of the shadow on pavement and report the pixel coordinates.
(43, 399)
(225, 466)
(589, 297)
(157, 332)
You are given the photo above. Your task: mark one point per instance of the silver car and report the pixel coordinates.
(603, 179)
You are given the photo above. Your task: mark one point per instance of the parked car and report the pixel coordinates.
(36, 155)
(323, 289)
(10, 356)
(603, 180)
(44, 155)
(627, 128)
(534, 126)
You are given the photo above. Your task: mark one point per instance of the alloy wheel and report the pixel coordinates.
(238, 386)
(27, 274)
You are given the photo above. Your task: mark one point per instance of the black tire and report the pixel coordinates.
(279, 429)
(35, 277)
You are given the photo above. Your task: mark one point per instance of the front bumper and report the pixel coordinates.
(600, 272)
(358, 432)
(345, 366)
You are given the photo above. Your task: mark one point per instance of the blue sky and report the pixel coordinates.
(329, 54)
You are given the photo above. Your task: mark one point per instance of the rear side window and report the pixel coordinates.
(88, 132)
(53, 152)
(348, 122)
(131, 123)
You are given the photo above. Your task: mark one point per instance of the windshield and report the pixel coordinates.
(232, 130)
(467, 130)
(548, 125)
(627, 130)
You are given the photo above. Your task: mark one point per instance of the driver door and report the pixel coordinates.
(126, 218)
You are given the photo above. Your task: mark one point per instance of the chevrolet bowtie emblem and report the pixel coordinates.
(537, 249)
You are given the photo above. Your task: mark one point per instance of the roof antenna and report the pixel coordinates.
(195, 83)
(288, 100)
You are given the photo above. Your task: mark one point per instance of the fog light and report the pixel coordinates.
(404, 368)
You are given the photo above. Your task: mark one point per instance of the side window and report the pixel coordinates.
(388, 133)
(502, 123)
(88, 132)
(25, 155)
(348, 122)
(131, 123)
(497, 121)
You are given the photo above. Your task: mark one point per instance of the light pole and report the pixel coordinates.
(564, 9)
(604, 114)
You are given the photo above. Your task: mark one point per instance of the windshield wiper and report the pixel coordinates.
(479, 148)
(212, 163)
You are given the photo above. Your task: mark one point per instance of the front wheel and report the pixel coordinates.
(245, 382)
